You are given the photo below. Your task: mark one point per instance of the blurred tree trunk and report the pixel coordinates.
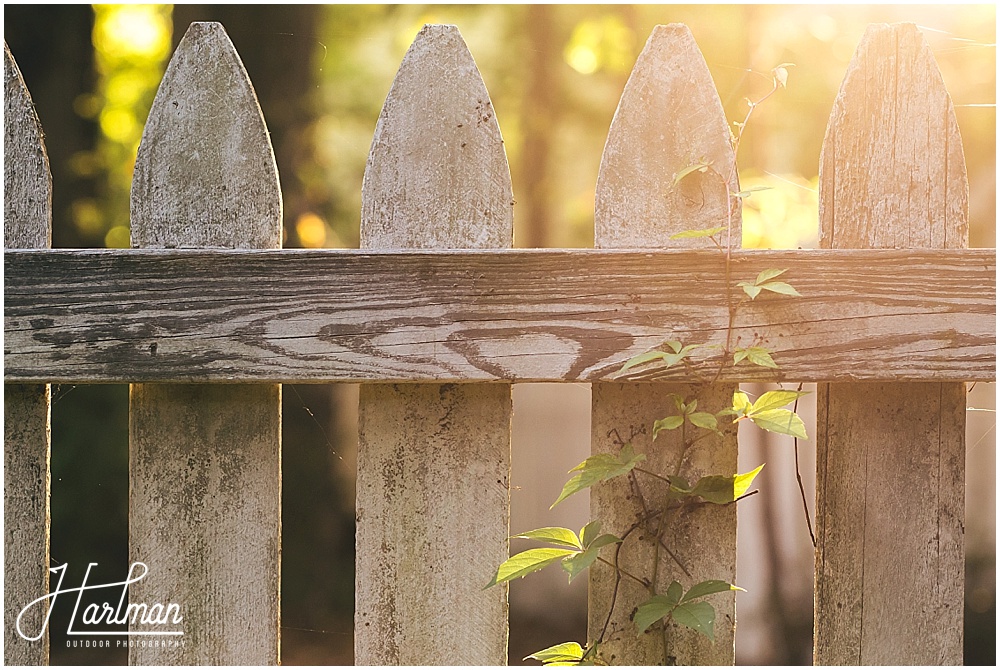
(277, 44)
(539, 120)
(52, 47)
(789, 626)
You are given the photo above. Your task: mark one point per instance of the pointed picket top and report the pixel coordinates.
(437, 174)
(27, 204)
(669, 118)
(205, 174)
(892, 169)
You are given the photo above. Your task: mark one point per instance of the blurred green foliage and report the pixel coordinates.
(579, 65)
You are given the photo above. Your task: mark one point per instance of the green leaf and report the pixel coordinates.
(722, 490)
(707, 588)
(642, 358)
(741, 403)
(756, 355)
(703, 420)
(574, 565)
(679, 354)
(704, 232)
(775, 399)
(600, 467)
(779, 287)
(674, 592)
(750, 191)
(669, 423)
(715, 489)
(768, 274)
(679, 484)
(673, 359)
(567, 651)
(698, 167)
(592, 656)
(652, 611)
(749, 289)
(783, 421)
(604, 540)
(781, 76)
(742, 482)
(589, 532)
(761, 356)
(527, 562)
(555, 535)
(699, 616)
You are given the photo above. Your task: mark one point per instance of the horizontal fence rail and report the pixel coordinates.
(565, 315)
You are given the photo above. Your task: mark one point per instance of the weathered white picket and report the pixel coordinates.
(205, 460)
(669, 117)
(434, 460)
(890, 561)
(27, 215)
(437, 298)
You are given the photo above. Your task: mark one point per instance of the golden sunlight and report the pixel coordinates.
(132, 30)
(311, 231)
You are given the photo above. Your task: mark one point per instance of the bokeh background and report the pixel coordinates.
(555, 74)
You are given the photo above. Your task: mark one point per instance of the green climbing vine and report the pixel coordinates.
(689, 606)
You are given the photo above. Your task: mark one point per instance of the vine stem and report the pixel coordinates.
(642, 582)
(798, 476)
(730, 208)
(614, 595)
(652, 474)
(647, 515)
(638, 491)
(618, 580)
(684, 448)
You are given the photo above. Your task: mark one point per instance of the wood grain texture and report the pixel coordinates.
(890, 560)
(433, 502)
(205, 461)
(26, 445)
(891, 457)
(26, 439)
(669, 118)
(313, 316)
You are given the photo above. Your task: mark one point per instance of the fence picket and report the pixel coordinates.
(205, 460)
(434, 460)
(27, 210)
(670, 117)
(891, 457)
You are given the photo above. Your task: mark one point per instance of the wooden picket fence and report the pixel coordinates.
(206, 318)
